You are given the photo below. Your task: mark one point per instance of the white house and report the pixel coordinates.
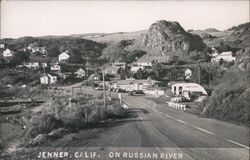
(63, 56)
(136, 68)
(188, 74)
(2, 45)
(94, 77)
(226, 56)
(132, 84)
(44, 64)
(7, 53)
(48, 79)
(80, 73)
(31, 65)
(186, 89)
(119, 64)
(149, 60)
(35, 48)
(111, 70)
(55, 67)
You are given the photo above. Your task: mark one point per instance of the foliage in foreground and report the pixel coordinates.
(230, 100)
(64, 112)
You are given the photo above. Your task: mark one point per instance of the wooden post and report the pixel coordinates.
(86, 115)
(104, 89)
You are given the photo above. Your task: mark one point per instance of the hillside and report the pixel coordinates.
(235, 37)
(163, 38)
(56, 44)
(230, 100)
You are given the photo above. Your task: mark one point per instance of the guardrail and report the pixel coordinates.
(177, 105)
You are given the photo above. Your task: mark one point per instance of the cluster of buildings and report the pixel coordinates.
(225, 56)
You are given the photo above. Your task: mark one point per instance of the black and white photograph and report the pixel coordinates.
(124, 79)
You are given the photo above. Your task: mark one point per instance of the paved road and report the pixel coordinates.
(149, 127)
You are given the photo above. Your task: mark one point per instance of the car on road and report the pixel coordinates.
(136, 93)
(100, 88)
(121, 90)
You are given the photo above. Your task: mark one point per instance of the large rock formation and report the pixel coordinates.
(169, 38)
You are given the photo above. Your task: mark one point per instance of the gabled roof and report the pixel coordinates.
(94, 74)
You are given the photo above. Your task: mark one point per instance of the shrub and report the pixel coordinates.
(74, 115)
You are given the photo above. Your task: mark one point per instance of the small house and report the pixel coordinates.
(132, 84)
(48, 79)
(119, 64)
(44, 64)
(63, 56)
(112, 70)
(186, 89)
(225, 56)
(150, 60)
(55, 67)
(35, 48)
(188, 74)
(136, 68)
(31, 65)
(94, 77)
(8, 53)
(80, 73)
(2, 45)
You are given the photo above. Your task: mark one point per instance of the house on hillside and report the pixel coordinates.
(35, 48)
(119, 64)
(44, 64)
(8, 53)
(55, 67)
(80, 73)
(31, 65)
(48, 79)
(63, 57)
(135, 68)
(188, 74)
(94, 77)
(150, 60)
(112, 70)
(2, 45)
(225, 56)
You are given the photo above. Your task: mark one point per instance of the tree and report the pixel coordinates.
(53, 51)
(138, 74)
(20, 57)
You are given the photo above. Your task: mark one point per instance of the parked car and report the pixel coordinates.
(100, 88)
(119, 90)
(136, 92)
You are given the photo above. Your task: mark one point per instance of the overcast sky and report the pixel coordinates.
(36, 18)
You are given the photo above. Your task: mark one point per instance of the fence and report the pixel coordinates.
(177, 105)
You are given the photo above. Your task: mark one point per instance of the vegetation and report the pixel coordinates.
(72, 114)
(230, 100)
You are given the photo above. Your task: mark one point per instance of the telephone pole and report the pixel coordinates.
(199, 73)
(104, 88)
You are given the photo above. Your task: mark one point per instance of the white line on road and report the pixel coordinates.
(237, 143)
(161, 113)
(201, 129)
(169, 116)
(181, 121)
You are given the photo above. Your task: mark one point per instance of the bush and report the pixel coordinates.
(71, 115)
(230, 100)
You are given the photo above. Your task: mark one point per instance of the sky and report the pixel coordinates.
(38, 18)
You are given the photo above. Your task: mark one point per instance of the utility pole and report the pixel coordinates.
(199, 73)
(87, 66)
(104, 88)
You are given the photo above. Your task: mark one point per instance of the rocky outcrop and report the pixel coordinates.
(169, 37)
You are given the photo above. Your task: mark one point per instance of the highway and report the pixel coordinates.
(149, 127)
